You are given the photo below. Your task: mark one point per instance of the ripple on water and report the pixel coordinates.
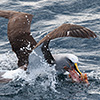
(42, 83)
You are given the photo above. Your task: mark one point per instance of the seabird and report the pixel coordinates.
(65, 62)
(20, 39)
(23, 43)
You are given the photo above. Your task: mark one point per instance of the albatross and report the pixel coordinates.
(66, 62)
(23, 43)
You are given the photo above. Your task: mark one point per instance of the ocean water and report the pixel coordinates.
(41, 82)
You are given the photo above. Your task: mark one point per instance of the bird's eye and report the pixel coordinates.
(70, 61)
(70, 64)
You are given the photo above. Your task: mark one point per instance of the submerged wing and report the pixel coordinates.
(68, 30)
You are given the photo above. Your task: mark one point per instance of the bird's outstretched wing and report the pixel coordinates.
(68, 30)
(19, 34)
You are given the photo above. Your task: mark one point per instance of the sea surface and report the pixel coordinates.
(41, 82)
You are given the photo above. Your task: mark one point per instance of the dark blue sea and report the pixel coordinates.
(41, 82)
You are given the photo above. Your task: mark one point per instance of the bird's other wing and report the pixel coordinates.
(68, 30)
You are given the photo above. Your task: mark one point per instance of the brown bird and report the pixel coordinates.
(23, 43)
(19, 36)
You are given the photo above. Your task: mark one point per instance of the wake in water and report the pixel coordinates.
(39, 72)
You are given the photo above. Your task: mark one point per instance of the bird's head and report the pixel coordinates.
(75, 74)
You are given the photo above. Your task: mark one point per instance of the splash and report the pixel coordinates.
(8, 61)
(42, 73)
(41, 76)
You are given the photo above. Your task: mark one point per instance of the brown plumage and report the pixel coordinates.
(23, 43)
(68, 30)
(19, 34)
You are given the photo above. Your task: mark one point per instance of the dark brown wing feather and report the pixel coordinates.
(19, 23)
(19, 34)
(68, 30)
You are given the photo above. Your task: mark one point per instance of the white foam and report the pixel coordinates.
(13, 73)
(38, 4)
(39, 68)
(3, 1)
(8, 61)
